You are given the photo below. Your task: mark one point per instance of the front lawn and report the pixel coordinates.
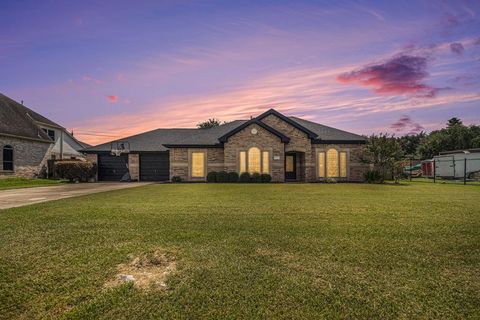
(13, 183)
(277, 251)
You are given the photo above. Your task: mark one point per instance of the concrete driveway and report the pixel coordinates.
(25, 196)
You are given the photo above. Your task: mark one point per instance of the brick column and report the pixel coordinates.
(93, 157)
(134, 165)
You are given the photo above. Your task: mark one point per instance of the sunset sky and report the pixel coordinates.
(108, 69)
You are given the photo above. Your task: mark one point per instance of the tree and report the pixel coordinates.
(210, 123)
(456, 136)
(454, 122)
(385, 153)
(410, 143)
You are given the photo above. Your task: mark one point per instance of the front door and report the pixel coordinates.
(291, 166)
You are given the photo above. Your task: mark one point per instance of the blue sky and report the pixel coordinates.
(113, 68)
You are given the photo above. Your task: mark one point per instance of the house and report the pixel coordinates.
(287, 148)
(28, 140)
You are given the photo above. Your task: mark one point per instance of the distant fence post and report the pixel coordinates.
(434, 170)
(465, 171)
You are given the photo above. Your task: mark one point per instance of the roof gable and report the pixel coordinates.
(310, 134)
(18, 120)
(256, 121)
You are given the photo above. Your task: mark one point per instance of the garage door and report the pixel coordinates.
(154, 166)
(112, 168)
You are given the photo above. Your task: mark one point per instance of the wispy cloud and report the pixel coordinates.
(457, 48)
(406, 124)
(310, 93)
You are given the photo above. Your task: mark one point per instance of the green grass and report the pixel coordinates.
(13, 183)
(278, 251)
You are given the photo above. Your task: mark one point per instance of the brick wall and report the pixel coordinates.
(355, 168)
(179, 161)
(134, 166)
(299, 141)
(29, 157)
(265, 141)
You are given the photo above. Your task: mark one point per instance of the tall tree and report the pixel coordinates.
(210, 123)
(411, 142)
(453, 122)
(456, 136)
(384, 152)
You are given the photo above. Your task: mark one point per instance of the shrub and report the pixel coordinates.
(75, 170)
(232, 177)
(176, 179)
(256, 177)
(212, 176)
(244, 177)
(265, 177)
(373, 176)
(222, 177)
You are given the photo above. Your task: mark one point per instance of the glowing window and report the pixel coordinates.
(343, 164)
(243, 162)
(265, 162)
(321, 164)
(332, 163)
(254, 160)
(198, 164)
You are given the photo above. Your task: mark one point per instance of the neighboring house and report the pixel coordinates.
(287, 148)
(28, 140)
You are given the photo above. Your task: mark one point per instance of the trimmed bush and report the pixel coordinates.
(265, 177)
(176, 179)
(373, 176)
(212, 176)
(256, 177)
(232, 177)
(244, 177)
(222, 177)
(75, 170)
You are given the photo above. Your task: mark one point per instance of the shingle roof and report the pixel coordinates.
(328, 133)
(162, 139)
(18, 120)
(208, 136)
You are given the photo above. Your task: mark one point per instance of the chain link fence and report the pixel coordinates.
(448, 168)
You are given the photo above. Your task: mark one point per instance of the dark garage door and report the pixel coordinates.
(154, 166)
(112, 168)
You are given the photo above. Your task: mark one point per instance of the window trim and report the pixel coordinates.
(325, 152)
(12, 162)
(324, 164)
(262, 152)
(190, 164)
(338, 163)
(48, 131)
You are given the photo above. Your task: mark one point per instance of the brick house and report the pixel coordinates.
(28, 140)
(287, 148)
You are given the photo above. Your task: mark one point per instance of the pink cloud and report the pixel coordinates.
(112, 99)
(401, 74)
(406, 123)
